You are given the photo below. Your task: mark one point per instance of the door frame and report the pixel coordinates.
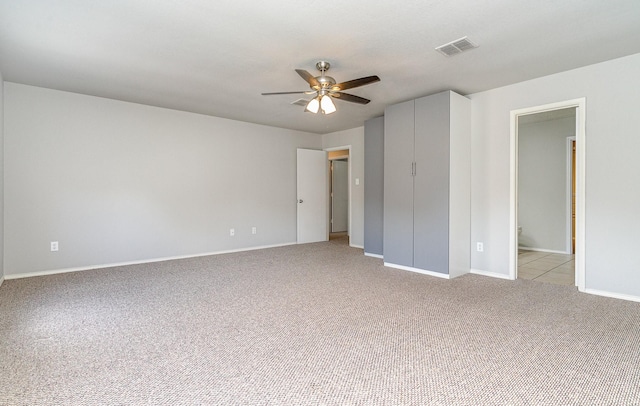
(349, 216)
(569, 197)
(580, 105)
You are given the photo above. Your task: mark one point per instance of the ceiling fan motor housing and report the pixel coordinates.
(326, 81)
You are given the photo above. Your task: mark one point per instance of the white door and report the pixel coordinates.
(339, 196)
(312, 196)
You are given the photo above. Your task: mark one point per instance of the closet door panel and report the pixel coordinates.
(398, 183)
(431, 196)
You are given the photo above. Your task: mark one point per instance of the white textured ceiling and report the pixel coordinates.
(216, 56)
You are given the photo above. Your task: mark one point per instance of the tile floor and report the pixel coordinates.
(558, 269)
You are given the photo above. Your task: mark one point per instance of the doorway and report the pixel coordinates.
(339, 194)
(545, 253)
(523, 115)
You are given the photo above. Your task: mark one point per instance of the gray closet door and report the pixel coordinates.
(431, 190)
(398, 183)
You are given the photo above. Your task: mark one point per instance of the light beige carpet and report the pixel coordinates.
(317, 324)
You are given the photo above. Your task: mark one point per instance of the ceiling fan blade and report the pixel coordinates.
(350, 98)
(272, 93)
(309, 78)
(355, 83)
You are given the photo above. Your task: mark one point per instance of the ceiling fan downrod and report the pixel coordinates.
(325, 81)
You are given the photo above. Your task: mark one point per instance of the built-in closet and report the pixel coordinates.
(426, 225)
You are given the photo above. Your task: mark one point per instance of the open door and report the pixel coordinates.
(312, 196)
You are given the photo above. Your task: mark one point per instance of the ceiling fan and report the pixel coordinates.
(324, 88)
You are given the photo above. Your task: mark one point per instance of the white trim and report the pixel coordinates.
(368, 254)
(581, 156)
(356, 246)
(580, 105)
(146, 261)
(613, 295)
(349, 160)
(417, 270)
(513, 196)
(1, 280)
(544, 250)
(491, 274)
(568, 189)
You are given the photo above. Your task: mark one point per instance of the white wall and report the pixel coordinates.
(612, 169)
(355, 138)
(118, 182)
(543, 184)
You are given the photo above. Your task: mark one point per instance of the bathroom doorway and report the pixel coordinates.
(547, 191)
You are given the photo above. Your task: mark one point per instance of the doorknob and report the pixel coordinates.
(300, 201)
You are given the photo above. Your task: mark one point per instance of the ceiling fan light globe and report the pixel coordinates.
(313, 106)
(327, 104)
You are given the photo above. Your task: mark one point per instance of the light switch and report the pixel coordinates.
(357, 181)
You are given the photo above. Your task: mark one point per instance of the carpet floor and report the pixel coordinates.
(314, 324)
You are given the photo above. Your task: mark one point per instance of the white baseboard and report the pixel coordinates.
(356, 246)
(1, 280)
(418, 270)
(368, 254)
(544, 250)
(589, 291)
(613, 295)
(491, 274)
(146, 261)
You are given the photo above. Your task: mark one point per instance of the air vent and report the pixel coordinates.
(456, 47)
(301, 102)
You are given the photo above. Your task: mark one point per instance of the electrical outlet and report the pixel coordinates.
(480, 247)
(254, 230)
(232, 232)
(54, 246)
